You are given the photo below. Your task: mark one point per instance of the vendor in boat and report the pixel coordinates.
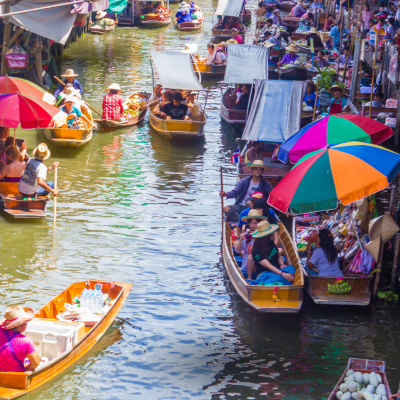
(254, 153)
(291, 57)
(345, 56)
(244, 189)
(313, 34)
(148, 8)
(310, 97)
(242, 101)
(176, 109)
(307, 19)
(268, 25)
(276, 19)
(266, 259)
(338, 101)
(197, 15)
(298, 9)
(183, 14)
(12, 169)
(33, 180)
(69, 78)
(192, 104)
(330, 21)
(270, 39)
(102, 22)
(325, 257)
(236, 36)
(155, 97)
(319, 60)
(14, 346)
(112, 103)
(160, 9)
(74, 114)
(215, 56)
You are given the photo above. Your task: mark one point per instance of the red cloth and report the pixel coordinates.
(112, 106)
(336, 108)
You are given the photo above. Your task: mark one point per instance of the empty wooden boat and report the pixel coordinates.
(15, 384)
(260, 297)
(69, 138)
(365, 367)
(228, 110)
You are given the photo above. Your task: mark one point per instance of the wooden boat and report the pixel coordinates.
(190, 26)
(69, 138)
(317, 286)
(286, 6)
(209, 71)
(15, 384)
(303, 49)
(293, 73)
(363, 366)
(229, 112)
(260, 297)
(99, 31)
(155, 21)
(176, 129)
(291, 23)
(19, 206)
(220, 35)
(109, 124)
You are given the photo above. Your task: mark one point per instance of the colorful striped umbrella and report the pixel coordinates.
(331, 130)
(346, 172)
(21, 86)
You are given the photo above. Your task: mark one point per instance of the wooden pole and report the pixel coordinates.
(359, 84)
(373, 75)
(55, 198)
(378, 268)
(395, 261)
(222, 198)
(315, 104)
(6, 38)
(38, 64)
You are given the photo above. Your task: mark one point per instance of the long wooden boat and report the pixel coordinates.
(293, 73)
(286, 6)
(317, 286)
(291, 23)
(209, 71)
(176, 129)
(303, 49)
(220, 35)
(260, 297)
(15, 384)
(68, 138)
(145, 21)
(363, 366)
(190, 26)
(230, 114)
(100, 31)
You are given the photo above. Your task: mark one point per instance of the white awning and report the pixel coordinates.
(175, 70)
(230, 8)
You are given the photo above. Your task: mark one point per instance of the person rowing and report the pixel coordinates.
(112, 103)
(184, 13)
(69, 78)
(101, 22)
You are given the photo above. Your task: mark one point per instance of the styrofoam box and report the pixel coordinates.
(52, 337)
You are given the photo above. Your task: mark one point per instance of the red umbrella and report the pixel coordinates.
(21, 86)
(30, 112)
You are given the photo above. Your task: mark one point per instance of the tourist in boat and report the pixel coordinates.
(33, 180)
(298, 9)
(325, 257)
(313, 34)
(366, 15)
(155, 98)
(242, 101)
(310, 97)
(12, 169)
(276, 19)
(160, 9)
(291, 57)
(236, 36)
(316, 6)
(319, 60)
(344, 56)
(148, 8)
(197, 15)
(14, 346)
(183, 14)
(10, 141)
(214, 56)
(266, 259)
(262, 206)
(166, 97)
(244, 189)
(112, 103)
(254, 197)
(102, 22)
(4, 133)
(69, 78)
(176, 109)
(74, 114)
(338, 101)
(191, 102)
(254, 153)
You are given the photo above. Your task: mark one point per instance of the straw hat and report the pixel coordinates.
(230, 41)
(257, 164)
(264, 228)
(69, 73)
(114, 86)
(313, 30)
(16, 316)
(190, 48)
(342, 90)
(254, 214)
(373, 248)
(292, 47)
(101, 14)
(41, 152)
(268, 44)
(383, 226)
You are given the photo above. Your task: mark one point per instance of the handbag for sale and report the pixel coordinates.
(17, 58)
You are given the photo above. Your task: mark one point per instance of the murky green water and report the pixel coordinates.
(134, 207)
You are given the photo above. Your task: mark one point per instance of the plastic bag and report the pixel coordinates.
(17, 58)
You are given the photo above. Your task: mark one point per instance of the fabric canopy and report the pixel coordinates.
(53, 23)
(116, 6)
(275, 112)
(85, 7)
(230, 8)
(175, 70)
(246, 63)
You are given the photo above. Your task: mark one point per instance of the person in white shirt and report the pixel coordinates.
(192, 104)
(33, 181)
(215, 56)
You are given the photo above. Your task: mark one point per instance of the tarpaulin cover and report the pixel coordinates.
(117, 6)
(246, 63)
(175, 70)
(275, 112)
(85, 7)
(54, 23)
(231, 8)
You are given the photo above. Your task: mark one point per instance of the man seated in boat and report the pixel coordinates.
(270, 38)
(215, 56)
(148, 8)
(266, 260)
(254, 153)
(183, 14)
(291, 57)
(155, 98)
(220, 23)
(33, 181)
(12, 169)
(176, 109)
(14, 346)
(112, 103)
(244, 189)
(101, 22)
(191, 102)
(242, 99)
(69, 78)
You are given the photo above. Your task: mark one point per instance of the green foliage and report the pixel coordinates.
(388, 296)
(326, 78)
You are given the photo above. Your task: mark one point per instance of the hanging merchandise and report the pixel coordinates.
(17, 58)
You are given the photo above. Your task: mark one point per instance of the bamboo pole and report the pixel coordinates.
(6, 38)
(395, 261)
(315, 103)
(172, 23)
(222, 197)
(378, 268)
(359, 83)
(55, 198)
(373, 74)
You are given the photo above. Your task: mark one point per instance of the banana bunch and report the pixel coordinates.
(342, 288)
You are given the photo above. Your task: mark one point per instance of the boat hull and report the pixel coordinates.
(210, 71)
(155, 23)
(68, 138)
(189, 26)
(229, 114)
(17, 207)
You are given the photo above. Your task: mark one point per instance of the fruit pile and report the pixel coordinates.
(339, 287)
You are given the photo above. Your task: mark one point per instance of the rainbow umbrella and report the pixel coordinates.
(346, 172)
(21, 86)
(331, 130)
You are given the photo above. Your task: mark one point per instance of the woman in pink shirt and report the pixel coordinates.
(236, 36)
(366, 15)
(15, 347)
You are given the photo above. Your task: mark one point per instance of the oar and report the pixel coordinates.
(55, 198)
(222, 197)
(169, 26)
(59, 80)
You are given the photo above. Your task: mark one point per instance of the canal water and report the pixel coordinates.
(135, 207)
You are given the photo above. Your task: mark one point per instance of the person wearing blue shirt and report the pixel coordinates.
(316, 5)
(310, 96)
(183, 14)
(334, 35)
(70, 78)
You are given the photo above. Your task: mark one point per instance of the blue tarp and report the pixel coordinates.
(275, 111)
(116, 6)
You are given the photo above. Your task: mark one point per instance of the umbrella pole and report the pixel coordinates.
(315, 103)
(222, 199)
(15, 130)
(55, 198)
(373, 75)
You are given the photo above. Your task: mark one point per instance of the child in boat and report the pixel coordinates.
(265, 259)
(12, 170)
(325, 256)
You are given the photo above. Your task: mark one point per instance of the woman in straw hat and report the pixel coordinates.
(265, 258)
(113, 103)
(313, 34)
(14, 346)
(69, 78)
(102, 22)
(338, 101)
(291, 57)
(298, 9)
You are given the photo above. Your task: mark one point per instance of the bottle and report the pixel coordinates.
(91, 301)
(100, 302)
(83, 298)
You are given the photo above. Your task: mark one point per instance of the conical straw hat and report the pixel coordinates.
(373, 248)
(383, 226)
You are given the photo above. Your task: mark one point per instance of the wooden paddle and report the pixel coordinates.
(169, 26)
(55, 198)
